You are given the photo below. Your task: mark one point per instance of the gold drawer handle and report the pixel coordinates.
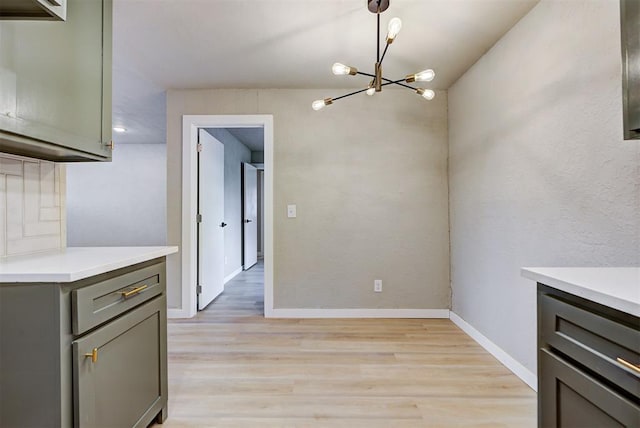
(628, 365)
(93, 355)
(130, 293)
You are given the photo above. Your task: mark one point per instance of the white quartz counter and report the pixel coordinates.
(75, 263)
(618, 288)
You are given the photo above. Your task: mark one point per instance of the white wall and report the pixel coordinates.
(234, 154)
(119, 203)
(369, 179)
(539, 174)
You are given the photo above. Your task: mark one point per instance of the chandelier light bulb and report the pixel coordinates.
(427, 94)
(371, 91)
(394, 28)
(342, 70)
(425, 75)
(319, 104)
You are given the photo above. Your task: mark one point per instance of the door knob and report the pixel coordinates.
(248, 221)
(223, 224)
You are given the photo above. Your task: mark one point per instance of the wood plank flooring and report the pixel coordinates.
(231, 367)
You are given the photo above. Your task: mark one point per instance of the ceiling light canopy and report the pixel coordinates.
(375, 85)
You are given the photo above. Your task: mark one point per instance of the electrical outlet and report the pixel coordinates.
(377, 286)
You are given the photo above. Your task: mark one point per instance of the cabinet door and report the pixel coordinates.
(124, 385)
(569, 398)
(55, 10)
(55, 101)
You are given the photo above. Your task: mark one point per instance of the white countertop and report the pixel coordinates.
(75, 263)
(618, 288)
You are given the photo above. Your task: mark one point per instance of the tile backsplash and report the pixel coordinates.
(32, 205)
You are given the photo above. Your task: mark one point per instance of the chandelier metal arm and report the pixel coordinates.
(366, 74)
(397, 82)
(349, 94)
(384, 53)
(389, 81)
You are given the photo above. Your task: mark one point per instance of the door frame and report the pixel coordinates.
(190, 126)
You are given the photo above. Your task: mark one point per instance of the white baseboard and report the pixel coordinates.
(174, 313)
(358, 313)
(232, 275)
(507, 360)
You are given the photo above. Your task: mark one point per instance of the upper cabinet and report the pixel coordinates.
(630, 20)
(55, 84)
(55, 10)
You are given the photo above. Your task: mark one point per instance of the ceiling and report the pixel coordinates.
(253, 138)
(192, 44)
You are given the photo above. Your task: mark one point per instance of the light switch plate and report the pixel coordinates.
(291, 211)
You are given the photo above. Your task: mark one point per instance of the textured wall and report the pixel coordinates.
(369, 178)
(234, 154)
(539, 173)
(31, 205)
(119, 203)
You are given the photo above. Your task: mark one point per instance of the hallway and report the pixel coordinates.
(231, 367)
(243, 296)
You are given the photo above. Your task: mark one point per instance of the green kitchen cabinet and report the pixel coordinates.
(588, 354)
(51, 10)
(55, 85)
(88, 353)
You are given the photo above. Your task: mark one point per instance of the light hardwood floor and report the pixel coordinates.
(231, 367)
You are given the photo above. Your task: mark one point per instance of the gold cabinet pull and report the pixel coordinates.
(110, 145)
(628, 365)
(130, 293)
(93, 355)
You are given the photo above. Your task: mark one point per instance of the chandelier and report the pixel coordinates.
(378, 81)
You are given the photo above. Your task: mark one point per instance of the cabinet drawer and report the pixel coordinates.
(591, 340)
(122, 386)
(97, 303)
(570, 398)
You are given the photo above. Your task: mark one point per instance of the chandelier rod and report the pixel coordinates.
(349, 94)
(397, 82)
(389, 82)
(378, 38)
(384, 53)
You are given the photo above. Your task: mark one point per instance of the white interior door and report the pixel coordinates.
(211, 225)
(250, 214)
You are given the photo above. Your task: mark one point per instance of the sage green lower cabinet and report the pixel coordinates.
(581, 383)
(59, 371)
(123, 386)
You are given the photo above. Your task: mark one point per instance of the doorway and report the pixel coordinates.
(191, 126)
